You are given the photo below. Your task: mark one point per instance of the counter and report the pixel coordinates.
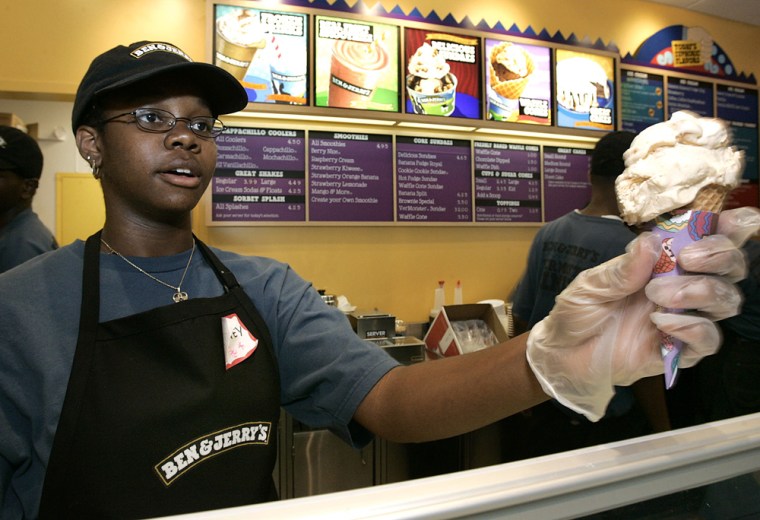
(565, 485)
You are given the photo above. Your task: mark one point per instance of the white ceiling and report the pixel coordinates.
(747, 11)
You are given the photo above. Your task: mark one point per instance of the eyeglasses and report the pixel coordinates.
(160, 121)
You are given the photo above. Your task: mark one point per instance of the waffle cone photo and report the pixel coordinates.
(510, 88)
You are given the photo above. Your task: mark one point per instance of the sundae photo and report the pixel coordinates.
(430, 84)
(581, 83)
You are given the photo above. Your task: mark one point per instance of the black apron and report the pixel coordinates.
(154, 421)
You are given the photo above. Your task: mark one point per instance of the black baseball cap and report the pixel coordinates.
(126, 65)
(607, 157)
(20, 153)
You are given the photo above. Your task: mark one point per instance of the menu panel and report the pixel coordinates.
(266, 50)
(259, 176)
(356, 64)
(585, 90)
(507, 182)
(350, 177)
(442, 74)
(642, 100)
(690, 94)
(518, 81)
(433, 180)
(739, 106)
(566, 183)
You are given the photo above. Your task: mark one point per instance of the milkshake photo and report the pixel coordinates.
(356, 65)
(239, 36)
(267, 51)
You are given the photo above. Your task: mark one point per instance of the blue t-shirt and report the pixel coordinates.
(23, 238)
(326, 370)
(559, 252)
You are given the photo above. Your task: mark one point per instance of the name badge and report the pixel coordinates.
(239, 343)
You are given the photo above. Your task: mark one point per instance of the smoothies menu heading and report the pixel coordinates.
(272, 175)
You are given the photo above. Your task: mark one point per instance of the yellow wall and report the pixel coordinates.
(45, 47)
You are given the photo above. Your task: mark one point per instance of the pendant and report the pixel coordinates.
(179, 296)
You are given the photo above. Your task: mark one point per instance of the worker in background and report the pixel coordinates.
(22, 233)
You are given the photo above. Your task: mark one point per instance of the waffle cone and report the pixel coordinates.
(710, 198)
(513, 88)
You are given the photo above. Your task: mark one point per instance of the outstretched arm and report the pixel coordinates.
(602, 332)
(449, 396)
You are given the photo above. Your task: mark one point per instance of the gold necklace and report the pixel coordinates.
(179, 295)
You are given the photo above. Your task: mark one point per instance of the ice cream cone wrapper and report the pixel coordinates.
(676, 230)
(513, 88)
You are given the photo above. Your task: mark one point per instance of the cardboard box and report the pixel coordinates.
(441, 339)
(407, 350)
(13, 120)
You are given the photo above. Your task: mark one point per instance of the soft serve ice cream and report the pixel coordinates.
(678, 174)
(669, 163)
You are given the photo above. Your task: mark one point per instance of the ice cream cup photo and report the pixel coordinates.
(430, 85)
(440, 102)
(238, 37)
(502, 109)
(355, 70)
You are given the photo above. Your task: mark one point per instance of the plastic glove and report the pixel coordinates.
(602, 331)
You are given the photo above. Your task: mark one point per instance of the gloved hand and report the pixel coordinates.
(602, 331)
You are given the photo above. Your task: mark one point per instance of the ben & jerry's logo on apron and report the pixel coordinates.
(203, 448)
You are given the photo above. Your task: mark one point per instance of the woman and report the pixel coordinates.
(143, 372)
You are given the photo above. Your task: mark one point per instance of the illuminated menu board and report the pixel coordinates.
(267, 51)
(642, 100)
(259, 176)
(442, 74)
(690, 94)
(433, 180)
(350, 177)
(518, 82)
(507, 182)
(585, 90)
(356, 65)
(566, 183)
(739, 106)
